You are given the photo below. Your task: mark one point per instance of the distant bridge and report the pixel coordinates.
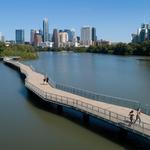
(84, 101)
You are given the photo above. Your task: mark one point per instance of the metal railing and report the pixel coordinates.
(115, 118)
(105, 98)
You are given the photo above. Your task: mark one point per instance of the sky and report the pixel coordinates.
(114, 20)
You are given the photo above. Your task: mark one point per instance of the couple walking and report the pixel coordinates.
(131, 115)
(45, 80)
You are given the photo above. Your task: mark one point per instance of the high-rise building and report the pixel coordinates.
(2, 37)
(78, 39)
(142, 34)
(50, 37)
(94, 37)
(134, 38)
(37, 38)
(45, 30)
(20, 36)
(32, 35)
(63, 38)
(41, 32)
(55, 38)
(86, 36)
(71, 35)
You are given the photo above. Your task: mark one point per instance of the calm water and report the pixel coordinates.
(126, 77)
(26, 126)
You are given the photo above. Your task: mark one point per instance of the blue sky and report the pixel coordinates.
(115, 20)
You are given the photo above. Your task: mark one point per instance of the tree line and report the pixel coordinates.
(140, 49)
(24, 51)
(30, 52)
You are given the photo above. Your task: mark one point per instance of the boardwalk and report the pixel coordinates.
(113, 114)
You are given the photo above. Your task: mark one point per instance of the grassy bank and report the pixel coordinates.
(24, 51)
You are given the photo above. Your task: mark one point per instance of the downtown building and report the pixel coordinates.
(71, 35)
(32, 35)
(20, 36)
(55, 38)
(88, 36)
(94, 36)
(45, 30)
(47, 42)
(2, 37)
(67, 38)
(36, 37)
(41, 38)
(143, 34)
(63, 39)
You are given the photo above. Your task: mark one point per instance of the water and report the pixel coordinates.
(25, 125)
(125, 77)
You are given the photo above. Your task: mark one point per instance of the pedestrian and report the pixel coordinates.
(47, 79)
(44, 80)
(138, 113)
(131, 115)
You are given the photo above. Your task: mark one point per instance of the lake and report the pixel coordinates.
(27, 125)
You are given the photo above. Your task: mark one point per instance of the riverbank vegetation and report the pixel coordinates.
(30, 52)
(140, 49)
(24, 51)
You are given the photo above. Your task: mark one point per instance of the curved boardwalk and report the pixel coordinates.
(113, 114)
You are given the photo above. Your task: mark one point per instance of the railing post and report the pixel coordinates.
(143, 127)
(117, 118)
(109, 115)
(45, 95)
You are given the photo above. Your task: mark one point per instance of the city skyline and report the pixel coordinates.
(114, 20)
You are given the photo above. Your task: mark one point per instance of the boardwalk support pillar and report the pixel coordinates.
(86, 118)
(59, 109)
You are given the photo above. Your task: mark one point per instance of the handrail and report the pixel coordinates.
(106, 98)
(89, 108)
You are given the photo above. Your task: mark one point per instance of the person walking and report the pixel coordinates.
(44, 81)
(131, 115)
(138, 116)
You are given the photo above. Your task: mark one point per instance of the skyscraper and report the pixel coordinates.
(55, 38)
(2, 37)
(37, 38)
(63, 38)
(20, 36)
(94, 37)
(86, 36)
(32, 34)
(45, 30)
(143, 34)
(71, 35)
